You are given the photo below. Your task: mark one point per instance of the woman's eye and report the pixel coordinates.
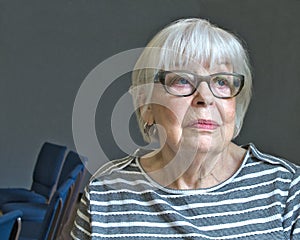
(221, 82)
(181, 81)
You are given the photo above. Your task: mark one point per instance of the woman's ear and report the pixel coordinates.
(147, 114)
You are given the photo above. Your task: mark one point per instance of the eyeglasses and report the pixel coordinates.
(182, 83)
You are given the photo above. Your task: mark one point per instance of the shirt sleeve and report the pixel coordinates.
(291, 218)
(82, 224)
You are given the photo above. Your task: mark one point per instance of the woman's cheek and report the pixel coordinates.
(227, 111)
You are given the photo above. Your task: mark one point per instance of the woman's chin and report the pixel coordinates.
(204, 143)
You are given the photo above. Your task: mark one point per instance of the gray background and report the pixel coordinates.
(47, 48)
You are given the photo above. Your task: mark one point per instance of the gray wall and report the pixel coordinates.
(47, 48)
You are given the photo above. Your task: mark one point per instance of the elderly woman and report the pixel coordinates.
(191, 88)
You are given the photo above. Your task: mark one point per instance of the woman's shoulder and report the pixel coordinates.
(120, 175)
(112, 167)
(123, 172)
(272, 161)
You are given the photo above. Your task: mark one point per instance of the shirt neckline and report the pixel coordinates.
(193, 191)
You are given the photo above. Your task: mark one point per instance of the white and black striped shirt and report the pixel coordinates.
(260, 201)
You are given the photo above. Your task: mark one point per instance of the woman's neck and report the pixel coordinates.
(188, 170)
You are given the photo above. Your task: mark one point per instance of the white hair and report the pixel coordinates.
(189, 41)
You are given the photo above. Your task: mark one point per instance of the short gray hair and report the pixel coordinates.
(189, 41)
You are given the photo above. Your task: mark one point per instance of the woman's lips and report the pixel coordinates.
(204, 124)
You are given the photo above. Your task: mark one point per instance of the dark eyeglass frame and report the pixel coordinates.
(161, 75)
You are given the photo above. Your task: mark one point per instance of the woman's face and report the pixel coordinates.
(201, 121)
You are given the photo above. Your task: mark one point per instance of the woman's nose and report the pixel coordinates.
(203, 95)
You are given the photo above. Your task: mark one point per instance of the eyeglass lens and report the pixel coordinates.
(221, 85)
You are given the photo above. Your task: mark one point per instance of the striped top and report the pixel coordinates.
(260, 201)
